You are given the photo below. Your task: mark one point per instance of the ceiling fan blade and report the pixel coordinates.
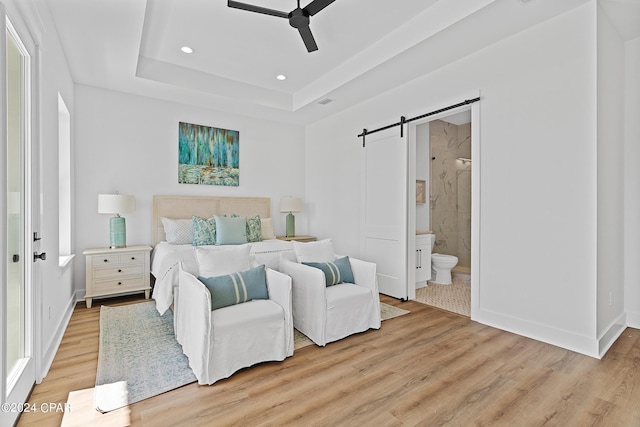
(308, 39)
(257, 9)
(316, 6)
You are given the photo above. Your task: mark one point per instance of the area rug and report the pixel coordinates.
(387, 311)
(455, 297)
(138, 356)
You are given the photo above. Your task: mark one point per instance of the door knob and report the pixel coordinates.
(42, 256)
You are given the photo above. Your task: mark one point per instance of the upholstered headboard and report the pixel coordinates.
(184, 207)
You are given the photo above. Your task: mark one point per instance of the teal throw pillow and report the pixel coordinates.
(237, 288)
(338, 271)
(204, 231)
(230, 231)
(254, 229)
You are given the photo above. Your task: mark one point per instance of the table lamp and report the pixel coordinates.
(291, 204)
(116, 204)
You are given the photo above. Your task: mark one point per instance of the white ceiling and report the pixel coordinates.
(365, 47)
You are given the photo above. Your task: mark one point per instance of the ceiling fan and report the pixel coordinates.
(298, 17)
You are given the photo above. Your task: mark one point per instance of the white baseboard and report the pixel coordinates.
(554, 336)
(50, 353)
(611, 334)
(633, 319)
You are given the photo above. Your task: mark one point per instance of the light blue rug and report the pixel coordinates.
(138, 357)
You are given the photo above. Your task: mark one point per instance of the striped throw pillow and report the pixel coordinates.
(338, 271)
(237, 288)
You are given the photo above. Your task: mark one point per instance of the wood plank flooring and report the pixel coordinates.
(429, 367)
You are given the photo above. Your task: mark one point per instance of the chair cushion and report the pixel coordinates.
(320, 251)
(220, 261)
(237, 288)
(345, 294)
(254, 314)
(338, 271)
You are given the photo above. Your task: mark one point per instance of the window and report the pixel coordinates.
(64, 182)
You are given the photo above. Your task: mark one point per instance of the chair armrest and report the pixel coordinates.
(193, 317)
(280, 292)
(309, 299)
(364, 273)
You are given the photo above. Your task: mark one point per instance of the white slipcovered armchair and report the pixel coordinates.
(330, 313)
(220, 342)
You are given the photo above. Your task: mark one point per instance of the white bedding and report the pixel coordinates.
(166, 257)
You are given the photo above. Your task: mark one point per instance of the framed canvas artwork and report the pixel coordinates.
(208, 155)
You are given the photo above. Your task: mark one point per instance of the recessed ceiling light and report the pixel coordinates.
(281, 77)
(186, 49)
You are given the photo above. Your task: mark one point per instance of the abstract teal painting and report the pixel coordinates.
(208, 155)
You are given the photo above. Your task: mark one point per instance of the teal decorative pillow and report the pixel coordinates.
(237, 288)
(204, 231)
(230, 231)
(254, 229)
(338, 271)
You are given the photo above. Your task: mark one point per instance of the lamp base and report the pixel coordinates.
(291, 225)
(118, 232)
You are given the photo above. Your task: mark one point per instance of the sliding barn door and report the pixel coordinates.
(384, 209)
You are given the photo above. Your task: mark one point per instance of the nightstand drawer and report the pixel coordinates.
(118, 271)
(114, 286)
(134, 258)
(105, 259)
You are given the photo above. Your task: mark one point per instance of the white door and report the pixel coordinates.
(384, 209)
(18, 325)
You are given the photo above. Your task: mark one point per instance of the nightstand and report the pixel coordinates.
(117, 271)
(297, 238)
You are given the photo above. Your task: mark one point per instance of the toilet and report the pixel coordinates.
(441, 266)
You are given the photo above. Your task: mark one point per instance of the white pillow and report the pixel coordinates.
(221, 261)
(320, 251)
(178, 231)
(266, 226)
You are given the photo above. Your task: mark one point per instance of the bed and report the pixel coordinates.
(167, 256)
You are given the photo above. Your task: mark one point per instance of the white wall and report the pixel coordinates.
(57, 293)
(129, 143)
(610, 67)
(632, 183)
(537, 165)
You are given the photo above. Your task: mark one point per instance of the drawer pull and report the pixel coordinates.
(119, 271)
(133, 258)
(106, 260)
(119, 283)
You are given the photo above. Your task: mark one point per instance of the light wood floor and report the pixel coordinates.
(430, 367)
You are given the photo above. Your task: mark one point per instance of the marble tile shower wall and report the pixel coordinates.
(451, 189)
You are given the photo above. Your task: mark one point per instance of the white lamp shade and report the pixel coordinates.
(291, 204)
(116, 204)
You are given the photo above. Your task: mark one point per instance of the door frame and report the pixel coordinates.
(475, 197)
(25, 25)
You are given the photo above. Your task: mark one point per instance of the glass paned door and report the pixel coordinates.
(18, 337)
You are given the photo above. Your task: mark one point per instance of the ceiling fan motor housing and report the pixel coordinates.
(298, 18)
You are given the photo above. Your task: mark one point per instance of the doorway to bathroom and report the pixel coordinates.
(445, 181)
